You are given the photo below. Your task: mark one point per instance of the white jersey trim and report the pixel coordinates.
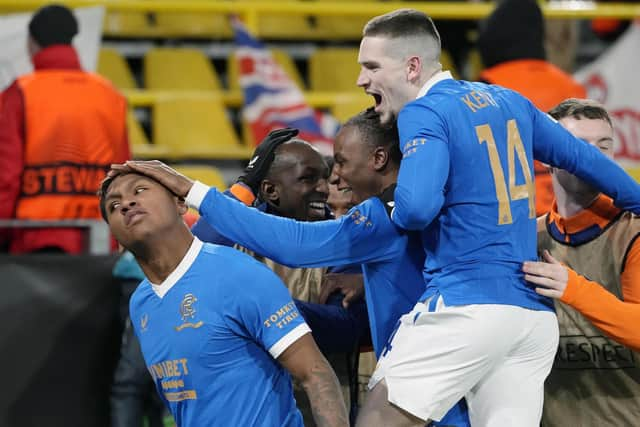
(196, 195)
(437, 77)
(184, 265)
(284, 342)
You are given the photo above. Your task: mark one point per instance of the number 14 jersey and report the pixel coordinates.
(466, 181)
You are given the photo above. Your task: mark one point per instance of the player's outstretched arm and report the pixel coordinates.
(306, 364)
(352, 239)
(556, 146)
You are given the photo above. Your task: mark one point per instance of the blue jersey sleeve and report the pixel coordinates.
(263, 310)
(203, 231)
(424, 169)
(556, 146)
(353, 238)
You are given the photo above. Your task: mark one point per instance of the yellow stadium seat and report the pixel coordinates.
(279, 26)
(334, 69)
(141, 148)
(447, 64)
(113, 66)
(132, 24)
(208, 175)
(179, 69)
(635, 173)
(348, 105)
(341, 27)
(195, 127)
(280, 56)
(191, 24)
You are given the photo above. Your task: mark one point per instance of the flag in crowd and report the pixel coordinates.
(272, 100)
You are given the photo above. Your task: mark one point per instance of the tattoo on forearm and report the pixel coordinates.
(325, 395)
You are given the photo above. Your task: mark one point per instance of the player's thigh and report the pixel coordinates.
(512, 393)
(378, 411)
(436, 357)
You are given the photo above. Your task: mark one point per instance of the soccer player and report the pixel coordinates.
(218, 330)
(367, 161)
(287, 177)
(595, 379)
(466, 183)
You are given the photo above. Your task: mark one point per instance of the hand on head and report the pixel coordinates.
(177, 183)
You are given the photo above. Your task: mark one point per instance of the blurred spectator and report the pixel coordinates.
(511, 45)
(609, 29)
(595, 379)
(60, 129)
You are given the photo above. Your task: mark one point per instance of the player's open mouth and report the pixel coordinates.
(377, 99)
(317, 208)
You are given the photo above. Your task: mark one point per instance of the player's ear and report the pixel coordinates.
(380, 158)
(414, 68)
(269, 191)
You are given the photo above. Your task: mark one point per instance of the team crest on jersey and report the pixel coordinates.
(144, 322)
(187, 308)
(187, 312)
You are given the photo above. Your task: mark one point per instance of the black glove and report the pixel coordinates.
(387, 198)
(263, 156)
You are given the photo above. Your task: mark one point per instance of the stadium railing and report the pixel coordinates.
(255, 12)
(98, 237)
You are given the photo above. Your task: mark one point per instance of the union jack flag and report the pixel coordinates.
(271, 98)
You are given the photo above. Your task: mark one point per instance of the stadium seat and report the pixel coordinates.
(128, 24)
(348, 105)
(635, 173)
(341, 27)
(195, 127)
(141, 147)
(113, 66)
(280, 56)
(192, 24)
(279, 26)
(334, 69)
(179, 69)
(206, 174)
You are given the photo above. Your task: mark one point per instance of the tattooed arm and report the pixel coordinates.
(306, 364)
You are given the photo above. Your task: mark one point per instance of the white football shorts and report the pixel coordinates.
(496, 356)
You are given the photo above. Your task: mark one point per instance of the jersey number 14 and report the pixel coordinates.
(515, 192)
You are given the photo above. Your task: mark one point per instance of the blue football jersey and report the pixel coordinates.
(210, 335)
(466, 181)
(391, 259)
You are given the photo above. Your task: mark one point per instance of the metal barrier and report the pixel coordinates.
(253, 11)
(98, 237)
